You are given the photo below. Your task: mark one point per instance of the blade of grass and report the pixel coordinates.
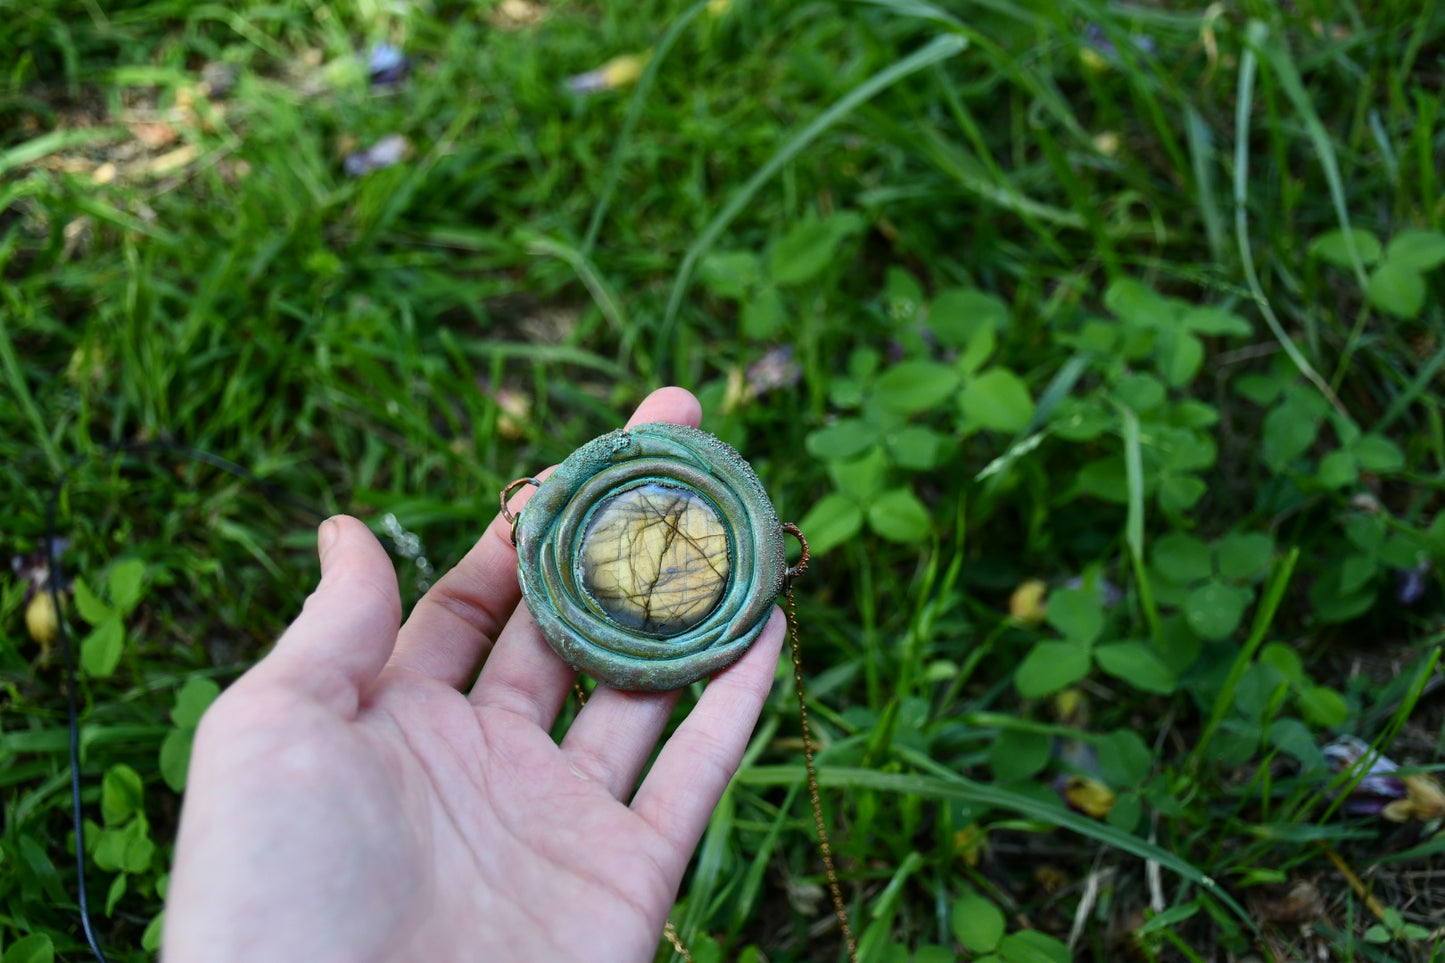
(602, 295)
(1082, 198)
(245, 25)
(994, 172)
(1425, 850)
(629, 123)
(113, 215)
(939, 48)
(57, 140)
(1406, 398)
(1134, 521)
(1248, 65)
(21, 391)
(927, 11)
(996, 190)
(950, 786)
(886, 901)
(1137, 66)
(1201, 150)
(539, 353)
(1033, 434)
(1259, 43)
(1263, 617)
(1345, 782)
(915, 8)
(751, 886)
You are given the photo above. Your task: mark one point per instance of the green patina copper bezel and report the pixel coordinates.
(548, 533)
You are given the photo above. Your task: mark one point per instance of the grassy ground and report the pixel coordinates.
(1000, 301)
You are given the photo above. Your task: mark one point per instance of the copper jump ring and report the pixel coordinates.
(796, 570)
(507, 513)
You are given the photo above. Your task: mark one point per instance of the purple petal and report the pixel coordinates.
(1378, 787)
(386, 65)
(776, 369)
(384, 153)
(1410, 584)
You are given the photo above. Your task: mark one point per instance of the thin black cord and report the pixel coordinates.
(52, 557)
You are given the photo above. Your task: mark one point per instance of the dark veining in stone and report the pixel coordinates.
(655, 558)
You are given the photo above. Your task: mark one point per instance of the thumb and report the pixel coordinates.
(348, 627)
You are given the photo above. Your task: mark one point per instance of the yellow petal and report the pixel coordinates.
(1399, 811)
(1092, 60)
(41, 620)
(1071, 707)
(1089, 796)
(1106, 143)
(1426, 796)
(968, 843)
(514, 410)
(1027, 602)
(623, 71)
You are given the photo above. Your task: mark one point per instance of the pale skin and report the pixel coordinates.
(351, 798)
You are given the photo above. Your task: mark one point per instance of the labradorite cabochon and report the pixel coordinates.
(651, 557)
(655, 558)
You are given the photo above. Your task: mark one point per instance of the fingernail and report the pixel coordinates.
(326, 537)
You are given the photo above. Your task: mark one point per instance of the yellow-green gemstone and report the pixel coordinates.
(655, 558)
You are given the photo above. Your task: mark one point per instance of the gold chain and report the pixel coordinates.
(670, 932)
(824, 848)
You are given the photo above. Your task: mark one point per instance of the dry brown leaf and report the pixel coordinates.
(153, 134)
(168, 162)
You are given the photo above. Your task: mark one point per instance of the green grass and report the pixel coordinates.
(1062, 288)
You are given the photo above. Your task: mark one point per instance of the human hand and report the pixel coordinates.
(347, 801)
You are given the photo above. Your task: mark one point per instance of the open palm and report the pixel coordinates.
(347, 801)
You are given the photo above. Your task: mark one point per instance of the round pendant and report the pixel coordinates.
(651, 557)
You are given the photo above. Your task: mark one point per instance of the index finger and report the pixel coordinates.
(455, 624)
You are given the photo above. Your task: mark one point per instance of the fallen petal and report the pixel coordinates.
(386, 152)
(1027, 601)
(1087, 796)
(1109, 593)
(1379, 789)
(386, 65)
(42, 621)
(1410, 584)
(1426, 798)
(516, 14)
(776, 369)
(617, 72)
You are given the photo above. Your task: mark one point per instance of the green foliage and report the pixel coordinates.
(191, 702)
(100, 651)
(35, 948)
(979, 925)
(1396, 284)
(802, 255)
(1393, 927)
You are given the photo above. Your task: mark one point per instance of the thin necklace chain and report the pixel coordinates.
(825, 848)
(670, 932)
